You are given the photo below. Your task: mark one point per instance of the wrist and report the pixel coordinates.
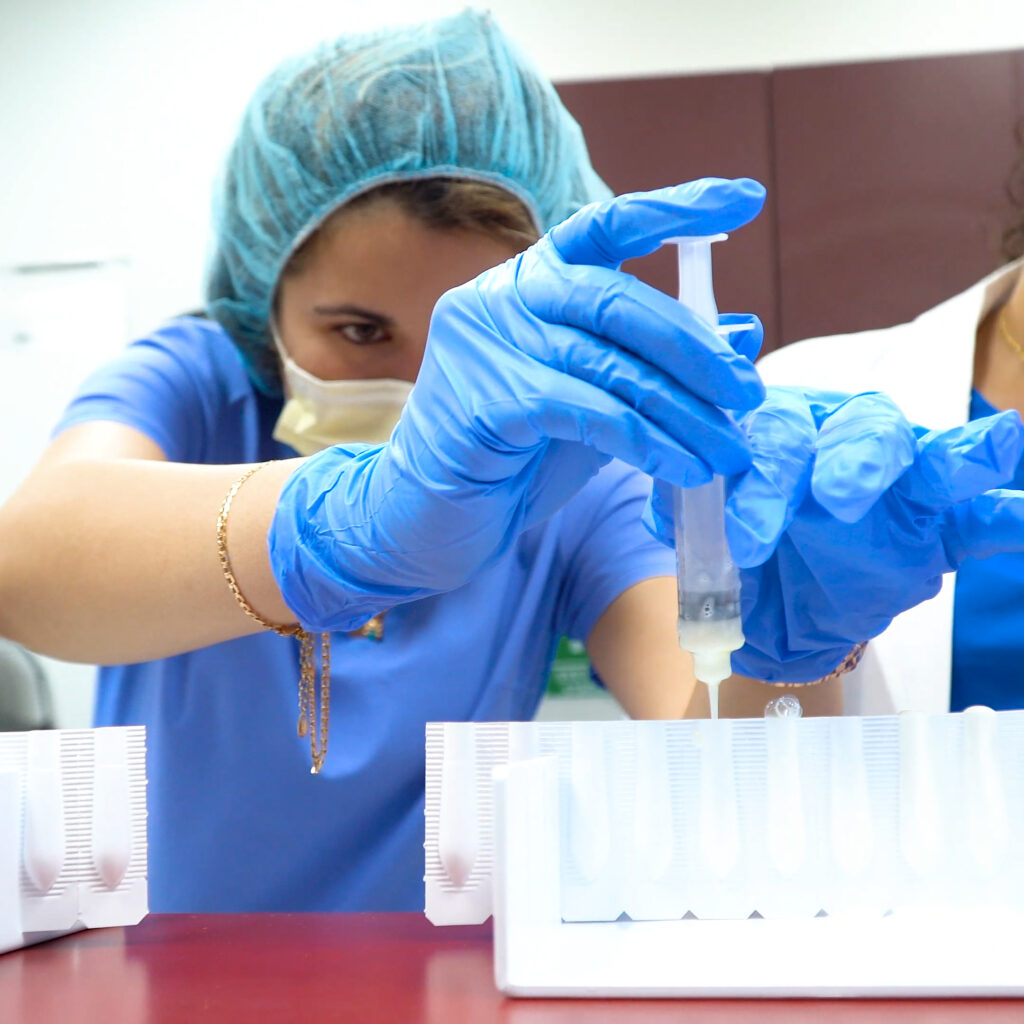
(254, 498)
(848, 664)
(808, 670)
(318, 540)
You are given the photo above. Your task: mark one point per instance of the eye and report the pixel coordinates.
(362, 333)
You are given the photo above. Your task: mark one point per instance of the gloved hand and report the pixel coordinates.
(535, 374)
(848, 516)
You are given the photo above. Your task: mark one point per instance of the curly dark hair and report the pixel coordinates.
(1013, 237)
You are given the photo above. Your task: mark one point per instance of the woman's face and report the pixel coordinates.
(358, 306)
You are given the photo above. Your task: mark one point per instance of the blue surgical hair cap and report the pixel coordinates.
(451, 98)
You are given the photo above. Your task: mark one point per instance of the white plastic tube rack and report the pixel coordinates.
(575, 836)
(73, 850)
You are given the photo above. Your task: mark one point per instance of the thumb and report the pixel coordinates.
(864, 445)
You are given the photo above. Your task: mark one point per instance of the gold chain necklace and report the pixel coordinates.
(1004, 331)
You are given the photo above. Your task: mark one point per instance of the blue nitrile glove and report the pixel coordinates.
(849, 516)
(535, 374)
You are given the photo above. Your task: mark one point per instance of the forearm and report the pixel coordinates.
(115, 560)
(635, 651)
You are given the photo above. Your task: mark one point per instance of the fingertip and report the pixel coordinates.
(848, 479)
(749, 196)
(753, 186)
(748, 190)
(751, 391)
(736, 200)
(686, 470)
(744, 332)
(748, 344)
(696, 475)
(846, 511)
(861, 452)
(849, 501)
(733, 461)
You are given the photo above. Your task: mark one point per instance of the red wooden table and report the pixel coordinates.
(351, 967)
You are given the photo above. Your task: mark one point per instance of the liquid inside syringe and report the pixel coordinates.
(710, 623)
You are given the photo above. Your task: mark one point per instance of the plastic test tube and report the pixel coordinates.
(710, 623)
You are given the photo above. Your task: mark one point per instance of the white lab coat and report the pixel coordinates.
(926, 366)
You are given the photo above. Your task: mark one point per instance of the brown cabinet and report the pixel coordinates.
(886, 179)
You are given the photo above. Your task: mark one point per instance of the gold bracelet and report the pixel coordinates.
(848, 664)
(307, 662)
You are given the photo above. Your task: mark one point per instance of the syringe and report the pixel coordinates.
(710, 623)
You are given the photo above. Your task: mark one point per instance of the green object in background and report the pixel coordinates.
(570, 673)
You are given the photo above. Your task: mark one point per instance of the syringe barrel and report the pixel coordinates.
(710, 622)
(709, 583)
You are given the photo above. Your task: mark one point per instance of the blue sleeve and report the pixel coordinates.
(605, 547)
(988, 620)
(175, 386)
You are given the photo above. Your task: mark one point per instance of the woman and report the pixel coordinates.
(169, 530)
(366, 180)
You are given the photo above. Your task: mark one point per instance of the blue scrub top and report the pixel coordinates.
(236, 821)
(988, 621)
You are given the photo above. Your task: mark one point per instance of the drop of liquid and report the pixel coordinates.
(783, 707)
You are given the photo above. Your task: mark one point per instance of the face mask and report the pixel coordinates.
(320, 413)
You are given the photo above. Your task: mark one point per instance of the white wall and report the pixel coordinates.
(114, 114)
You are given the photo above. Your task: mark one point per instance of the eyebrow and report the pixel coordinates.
(347, 309)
